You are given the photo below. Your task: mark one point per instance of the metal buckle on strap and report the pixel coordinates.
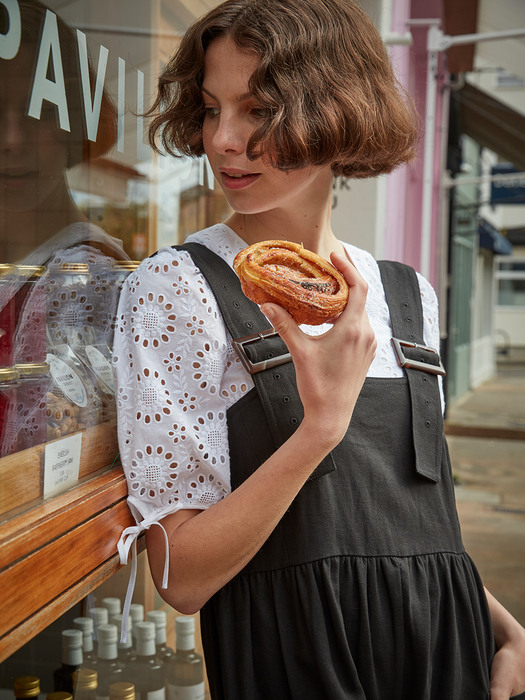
(254, 367)
(405, 361)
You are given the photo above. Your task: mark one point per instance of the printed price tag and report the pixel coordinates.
(62, 464)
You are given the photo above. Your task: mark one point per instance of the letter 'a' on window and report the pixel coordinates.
(10, 42)
(43, 88)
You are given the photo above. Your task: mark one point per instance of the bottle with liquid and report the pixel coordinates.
(159, 619)
(126, 652)
(100, 616)
(72, 659)
(26, 687)
(185, 672)
(136, 610)
(86, 626)
(109, 668)
(85, 681)
(123, 690)
(148, 671)
(59, 695)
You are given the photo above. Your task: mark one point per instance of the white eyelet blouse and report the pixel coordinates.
(177, 374)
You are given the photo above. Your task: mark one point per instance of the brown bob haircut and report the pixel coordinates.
(324, 78)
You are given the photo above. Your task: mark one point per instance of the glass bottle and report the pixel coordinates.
(109, 668)
(85, 681)
(148, 671)
(59, 695)
(71, 660)
(136, 610)
(126, 652)
(86, 626)
(100, 616)
(26, 687)
(185, 674)
(159, 619)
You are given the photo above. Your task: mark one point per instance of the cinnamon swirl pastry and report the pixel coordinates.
(310, 288)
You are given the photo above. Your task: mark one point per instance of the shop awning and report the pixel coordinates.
(493, 125)
(491, 239)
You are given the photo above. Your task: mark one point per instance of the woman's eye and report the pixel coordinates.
(211, 112)
(260, 112)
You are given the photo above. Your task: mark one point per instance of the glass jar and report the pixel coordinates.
(30, 341)
(9, 382)
(73, 403)
(7, 314)
(34, 384)
(70, 313)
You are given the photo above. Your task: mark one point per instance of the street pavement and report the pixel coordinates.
(486, 437)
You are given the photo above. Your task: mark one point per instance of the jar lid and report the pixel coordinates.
(71, 268)
(9, 374)
(6, 268)
(127, 264)
(85, 679)
(32, 369)
(30, 270)
(122, 689)
(26, 686)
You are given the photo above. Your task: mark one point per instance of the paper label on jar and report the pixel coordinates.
(101, 366)
(62, 464)
(186, 692)
(67, 380)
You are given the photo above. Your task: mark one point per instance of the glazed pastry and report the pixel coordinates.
(310, 288)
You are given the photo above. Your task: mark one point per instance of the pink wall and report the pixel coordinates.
(405, 188)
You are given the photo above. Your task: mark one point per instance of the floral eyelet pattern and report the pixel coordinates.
(177, 373)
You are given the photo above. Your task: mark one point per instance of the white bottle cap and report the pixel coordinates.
(113, 605)
(136, 610)
(72, 647)
(158, 617)
(145, 636)
(85, 625)
(185, 632)
(107, 642)
(117, 620)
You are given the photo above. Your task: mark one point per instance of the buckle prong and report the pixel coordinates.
(254, 367)
(404, 361)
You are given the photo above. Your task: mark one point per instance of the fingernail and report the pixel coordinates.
(268, 311)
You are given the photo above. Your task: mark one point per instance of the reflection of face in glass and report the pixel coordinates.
(33, 152)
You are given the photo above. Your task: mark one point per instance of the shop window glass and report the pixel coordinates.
(83, 199)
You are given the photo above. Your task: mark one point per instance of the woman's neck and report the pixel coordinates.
(312, 230)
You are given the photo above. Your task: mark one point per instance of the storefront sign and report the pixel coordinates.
(508, 191)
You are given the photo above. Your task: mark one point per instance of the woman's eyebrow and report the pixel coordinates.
(241, 98)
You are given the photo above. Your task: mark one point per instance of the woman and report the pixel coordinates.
(326, 558)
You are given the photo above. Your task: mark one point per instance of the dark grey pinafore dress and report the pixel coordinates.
(364, 589)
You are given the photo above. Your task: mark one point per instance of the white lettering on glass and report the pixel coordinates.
(91, 111)
(142, 150)
(43, 88)
(10, 42)
(121, 89)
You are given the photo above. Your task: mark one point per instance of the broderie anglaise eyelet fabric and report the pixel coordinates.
(176, 366)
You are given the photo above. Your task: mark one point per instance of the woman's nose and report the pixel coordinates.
(13, 130)
(230, 135)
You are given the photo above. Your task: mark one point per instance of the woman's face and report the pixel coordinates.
(33, 154)
(232, 114)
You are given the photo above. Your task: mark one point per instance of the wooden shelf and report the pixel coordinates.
(52, 555)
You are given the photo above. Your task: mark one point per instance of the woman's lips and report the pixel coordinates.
(237, 181)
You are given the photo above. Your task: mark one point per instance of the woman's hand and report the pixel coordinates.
(507, 676)
(331, 367)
